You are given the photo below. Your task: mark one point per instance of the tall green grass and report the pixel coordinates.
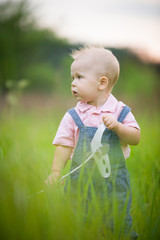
(26, 154)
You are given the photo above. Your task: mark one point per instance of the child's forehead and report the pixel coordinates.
(81, 64)
(88, 63)
(92, 57)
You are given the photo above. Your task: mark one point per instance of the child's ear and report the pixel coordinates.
(103, 83)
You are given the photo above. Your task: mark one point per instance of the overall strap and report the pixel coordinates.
(76, 117)
(123, 113)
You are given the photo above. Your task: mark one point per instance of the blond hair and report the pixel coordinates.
(102, 58)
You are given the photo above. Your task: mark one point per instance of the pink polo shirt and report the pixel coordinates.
(68, 132)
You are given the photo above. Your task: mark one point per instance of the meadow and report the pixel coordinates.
(26, 154)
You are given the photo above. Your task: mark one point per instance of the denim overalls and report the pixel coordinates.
(88, 179)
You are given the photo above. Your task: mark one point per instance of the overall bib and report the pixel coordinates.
(88, 183)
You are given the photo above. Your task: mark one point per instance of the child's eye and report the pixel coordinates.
(79, 77)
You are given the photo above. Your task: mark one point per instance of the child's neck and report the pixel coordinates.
(100, 100)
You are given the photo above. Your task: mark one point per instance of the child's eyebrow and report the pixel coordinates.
(76, 74)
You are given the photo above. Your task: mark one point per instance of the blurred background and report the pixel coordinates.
(37, 36)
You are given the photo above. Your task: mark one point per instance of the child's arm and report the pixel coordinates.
(61, 156)
(127, 135)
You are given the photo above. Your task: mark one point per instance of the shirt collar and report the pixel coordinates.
(108, 106)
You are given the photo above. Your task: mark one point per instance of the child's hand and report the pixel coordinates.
(50, 179)
(53, 178)
(110, 122)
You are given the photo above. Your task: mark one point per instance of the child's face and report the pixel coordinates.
(84, 86)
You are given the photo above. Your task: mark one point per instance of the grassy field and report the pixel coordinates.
(26, 154)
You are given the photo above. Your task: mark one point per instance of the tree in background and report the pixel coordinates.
(14, 24)
(27, 51)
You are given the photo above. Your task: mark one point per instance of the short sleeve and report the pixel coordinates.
(130, 121)
(65, 132)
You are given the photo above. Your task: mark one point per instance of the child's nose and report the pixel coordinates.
(73, 83)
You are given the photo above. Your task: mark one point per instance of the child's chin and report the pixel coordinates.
(78, 98)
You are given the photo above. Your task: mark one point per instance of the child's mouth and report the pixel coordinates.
(75, 93)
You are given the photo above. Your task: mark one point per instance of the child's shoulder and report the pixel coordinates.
(118, 105)
(113, 100)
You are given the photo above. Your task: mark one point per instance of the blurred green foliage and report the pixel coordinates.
(137, 79)
(27, 51)
(14, 91)
(39, 55)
